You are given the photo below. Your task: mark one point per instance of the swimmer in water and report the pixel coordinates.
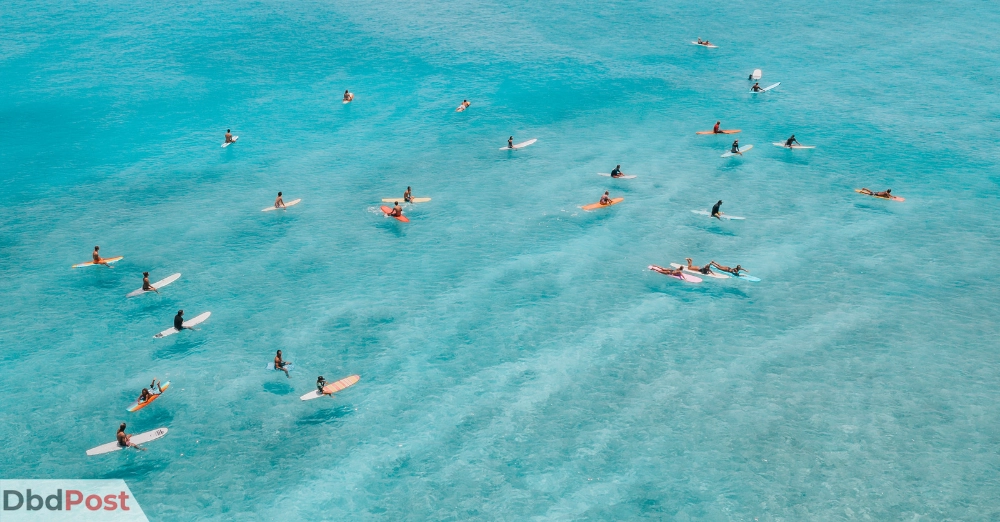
(715, 210)
(320, 384)
(792, 141)
(510, 142)
(605, 199)
(281, 364)
(146, 287)
(229, 136)
(396, 210)
(408, 195)
(348, 96)
(736, 148)
(732, 270)
(617, 173)
(125, 440)
(465, 105)
(707, 269)
(756, 87)
(278, 202)
(98, 260)
(887, 193)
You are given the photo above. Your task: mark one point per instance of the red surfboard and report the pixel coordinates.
(388, 211)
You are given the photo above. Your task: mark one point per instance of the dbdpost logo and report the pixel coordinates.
(69, 500)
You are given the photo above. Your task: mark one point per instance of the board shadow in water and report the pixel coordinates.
(279, 387)
(325, 415)
(179, 348)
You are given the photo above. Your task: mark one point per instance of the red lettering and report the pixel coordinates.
(121, 498)
(96, 507)
(70, 502)
(109, 503)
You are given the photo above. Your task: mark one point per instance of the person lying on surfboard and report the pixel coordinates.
(146, 287)
(147, 393)
(407, 196)
(124, 439)
(465, 105)
(790, 141)
(732, 270)
(320, 384)
(887, 193)
(281, 364)
(617, 173)
(736, 148)
(396, 210)
(605, 199)
(706, 42)
(756, 87)
(715, 210)
(707, 269)
(229, 135)
(98, 260)
(348, 96)
(510, 142)
(278, 202)
(669, 271)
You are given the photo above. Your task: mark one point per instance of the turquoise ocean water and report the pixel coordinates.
(517, 359)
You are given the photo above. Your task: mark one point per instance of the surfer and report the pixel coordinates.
(716, 213)
(887, 193)
(147, 393)
(715, 130)
(510, 142)
(465, 105)
(707, 269)
(617, 173)
(229, 136)
(791, 140)
(98, 260)
(320, 384)
(125, 440)
(179, 321)
(669, 271)
(756, 87)
(732, 270)
(279, 203)
(348, 96)
(408, 196)
(146, 287)
(705, 42)
(281, 364)
(736, 148)
(605, 199)
(396, 210)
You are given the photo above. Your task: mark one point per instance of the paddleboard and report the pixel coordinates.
(289, 204)
(709, 214)
(747, 277)
(412, 200)
(332, 388)
(742, 150)
(721, 131)
(782, 144)
(521, 145)
(592, 206)
(136, 406)
(608, 175)
(768, 88)
(756, 74)
(893, 198)
(187, 324)
(157, 285)
(270, 366)
(697, 273)
(141, 438)
(388, 210)
(682, 277)
(710, 46)
(228, 143)
(91, 263)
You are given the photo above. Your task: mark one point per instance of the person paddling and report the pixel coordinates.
(732, 270)
(707, 269)
(887, 193)
(146, 287)
(229, 135)
(98, 260)
(147, 393)
(705, 42)
(279, 202)
(792, 141)
(617, 173)
(281, 364)
(465, 105)
(396, 210)
(125, 440)
(715, 210)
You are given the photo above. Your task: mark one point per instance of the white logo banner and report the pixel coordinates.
(68, 500)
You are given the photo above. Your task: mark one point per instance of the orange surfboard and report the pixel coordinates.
(893, 198)
(388, 211)
(592, 206)
(728, 131)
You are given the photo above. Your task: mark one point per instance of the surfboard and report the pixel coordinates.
(157, 285)
(270, 366)
(332, 388)
(349, 100)
(742, 150)
(289, 204)
(521, 145)
(228, 143)
(710, 46)
(461, 108)
(765, 89)
(136, 406)
(697, 273)
(682, 277)
(721, 131)
(412, 200)
(756, 74)
(187, 324)
(593, 206)
(747, 277)
(608, 175)
(388, 210)
(893, 198)
(91, 263)
(781, 144)
(141, 438)
(723, 215)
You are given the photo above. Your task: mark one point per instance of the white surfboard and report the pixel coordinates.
(794, 146)
(187, 324)
(289, 204)
(768, 88)
(608, 174)
(697, 273)
(710, 46)
(742, 150)
(756, 74)
(709, 214)
(141, 438)
(157, 285)
(228, 143)
(521, 145)
(412, 200)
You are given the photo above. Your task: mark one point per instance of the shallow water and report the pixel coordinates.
(517, 359)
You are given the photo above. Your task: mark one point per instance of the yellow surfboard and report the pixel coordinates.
(107, 260)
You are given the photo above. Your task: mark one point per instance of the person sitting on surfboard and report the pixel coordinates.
(605, 199)
(146, 287)
(179, 321)
(715, 129)
(348, 96)
(756, 87)
(281, 364)
(707, 269)
(278, 202)
(98, 260)
(887, 193)
(396, 210)
(792, 140)
(510, 142)
(736, 148)
(408, 196)
(229, 136)
(320, 384)
(732, 270)
(617, 173)
(715, 211)
(124, 439)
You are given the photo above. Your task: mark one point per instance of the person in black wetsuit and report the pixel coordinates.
(320, 384)
(792, 140)
(736, 148)
(617, 173)
(715, 211)
(510, 142)
(179, 321)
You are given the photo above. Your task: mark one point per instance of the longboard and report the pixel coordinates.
(747, 277)
(682, 277)
(157, 285)
(710, 46)
(187, 324)
(289, 204)
(794, 146)
(228, 143)
(136, 406)
(388, 211)
(893, 198)
(756, 74)
(722, 215)
(521, 145)
(108, 260)
(623, 176)
(721, 131)
(461, 108)
(765, 89)
(141, 438)
(742, 150)
(332, 388)
(697, 273)
(412, 200)
(592, 206)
